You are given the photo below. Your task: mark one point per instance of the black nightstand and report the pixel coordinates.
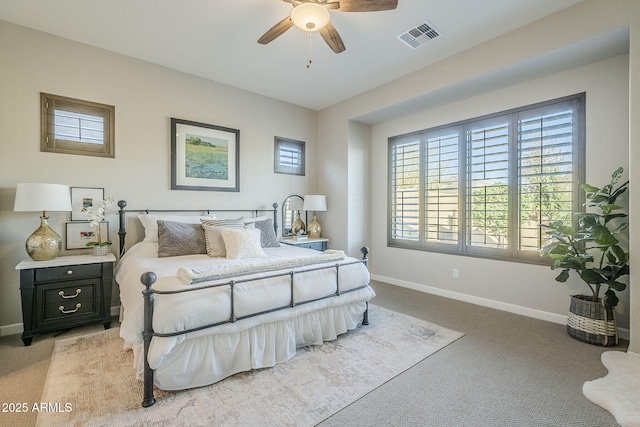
(317, 244)
(65, 292)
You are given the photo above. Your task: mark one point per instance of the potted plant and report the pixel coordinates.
(96, 214)
(593, 251)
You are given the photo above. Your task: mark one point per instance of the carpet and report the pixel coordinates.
(91, 381)
(619, 391)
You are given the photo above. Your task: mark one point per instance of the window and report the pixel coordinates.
(289, 156)
(484, 186)
(73, 126)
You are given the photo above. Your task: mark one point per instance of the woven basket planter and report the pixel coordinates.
(592, 322)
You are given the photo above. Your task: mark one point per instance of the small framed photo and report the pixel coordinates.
(204, 157)
(81, 233)
(84, 197)
(288, 156)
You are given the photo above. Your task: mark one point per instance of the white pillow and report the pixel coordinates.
(213, 238)
(242, 243)
(150, 223)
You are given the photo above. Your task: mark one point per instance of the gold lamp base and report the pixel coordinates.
(297, 226)
(44, 244)
(314, 229)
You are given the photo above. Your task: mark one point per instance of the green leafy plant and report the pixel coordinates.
(593, 249)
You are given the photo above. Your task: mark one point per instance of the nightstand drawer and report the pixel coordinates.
(318, 246)
(67, 300)
(66, 293)
(67, 273)
(68, 309)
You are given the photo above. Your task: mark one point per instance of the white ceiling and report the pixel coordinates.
(216, 39)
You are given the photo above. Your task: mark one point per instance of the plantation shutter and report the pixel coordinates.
(484, 186)
(487, 223)
(405, 190)
(78, 127)
(546, 171)
(289, 156)
(441, 189)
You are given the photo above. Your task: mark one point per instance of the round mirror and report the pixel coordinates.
(294, 218)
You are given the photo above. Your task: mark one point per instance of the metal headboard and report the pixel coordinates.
(122, 232)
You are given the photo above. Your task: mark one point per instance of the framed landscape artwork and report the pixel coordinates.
(204, 157)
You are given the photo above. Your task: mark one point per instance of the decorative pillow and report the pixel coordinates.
(242, 243)
(213, 239)
(268, 238)
(176, 239)
(150, 223)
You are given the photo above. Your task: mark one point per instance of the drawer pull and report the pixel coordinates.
(61, 308)
(61, 293)
(69, 272)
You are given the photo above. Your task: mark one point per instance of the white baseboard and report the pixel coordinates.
(623, 333)
(17, 328)
(115, 311)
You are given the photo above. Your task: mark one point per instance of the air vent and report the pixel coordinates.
(419, 35)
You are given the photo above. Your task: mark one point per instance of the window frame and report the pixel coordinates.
(463, 246)
(279, 144)
(50, 143)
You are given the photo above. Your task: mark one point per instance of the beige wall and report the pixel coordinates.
(358, 187)
(145, 97)
(634, 176)
(465, 80)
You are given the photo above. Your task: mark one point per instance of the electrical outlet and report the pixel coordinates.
(456, 273)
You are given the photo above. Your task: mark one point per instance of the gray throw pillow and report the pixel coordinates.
(268, 238)
(176, 239)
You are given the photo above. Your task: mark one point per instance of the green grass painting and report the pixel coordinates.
(206, 157)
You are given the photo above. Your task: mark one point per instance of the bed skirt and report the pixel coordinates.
(204, 360)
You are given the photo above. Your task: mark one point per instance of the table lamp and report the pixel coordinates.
(315, 203)
(44, 243)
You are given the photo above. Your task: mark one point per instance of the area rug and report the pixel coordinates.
(619, 391)
(91, 380)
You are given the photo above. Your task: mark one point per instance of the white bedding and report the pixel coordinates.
(209, 355)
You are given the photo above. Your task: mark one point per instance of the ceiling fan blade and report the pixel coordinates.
(366, 5)
(276, 31)
(333, 39)
(332, 5)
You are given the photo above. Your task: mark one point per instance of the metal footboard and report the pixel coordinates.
(149, 278)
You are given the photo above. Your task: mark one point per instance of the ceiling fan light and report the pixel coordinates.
(310, 16)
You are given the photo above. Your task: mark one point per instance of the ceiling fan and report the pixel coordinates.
(313, 15)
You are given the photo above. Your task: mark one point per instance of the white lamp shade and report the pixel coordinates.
(315, 202)
(310, 16)
(42, 197)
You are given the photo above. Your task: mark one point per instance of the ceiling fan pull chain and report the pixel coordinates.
(309, 46)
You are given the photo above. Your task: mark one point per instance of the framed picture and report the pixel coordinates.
(288, 156)
(204, 157)
(81, 233)
(84, 197)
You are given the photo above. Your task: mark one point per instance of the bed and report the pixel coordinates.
(194, 316)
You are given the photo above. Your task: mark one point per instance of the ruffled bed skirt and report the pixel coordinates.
(204, 360)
